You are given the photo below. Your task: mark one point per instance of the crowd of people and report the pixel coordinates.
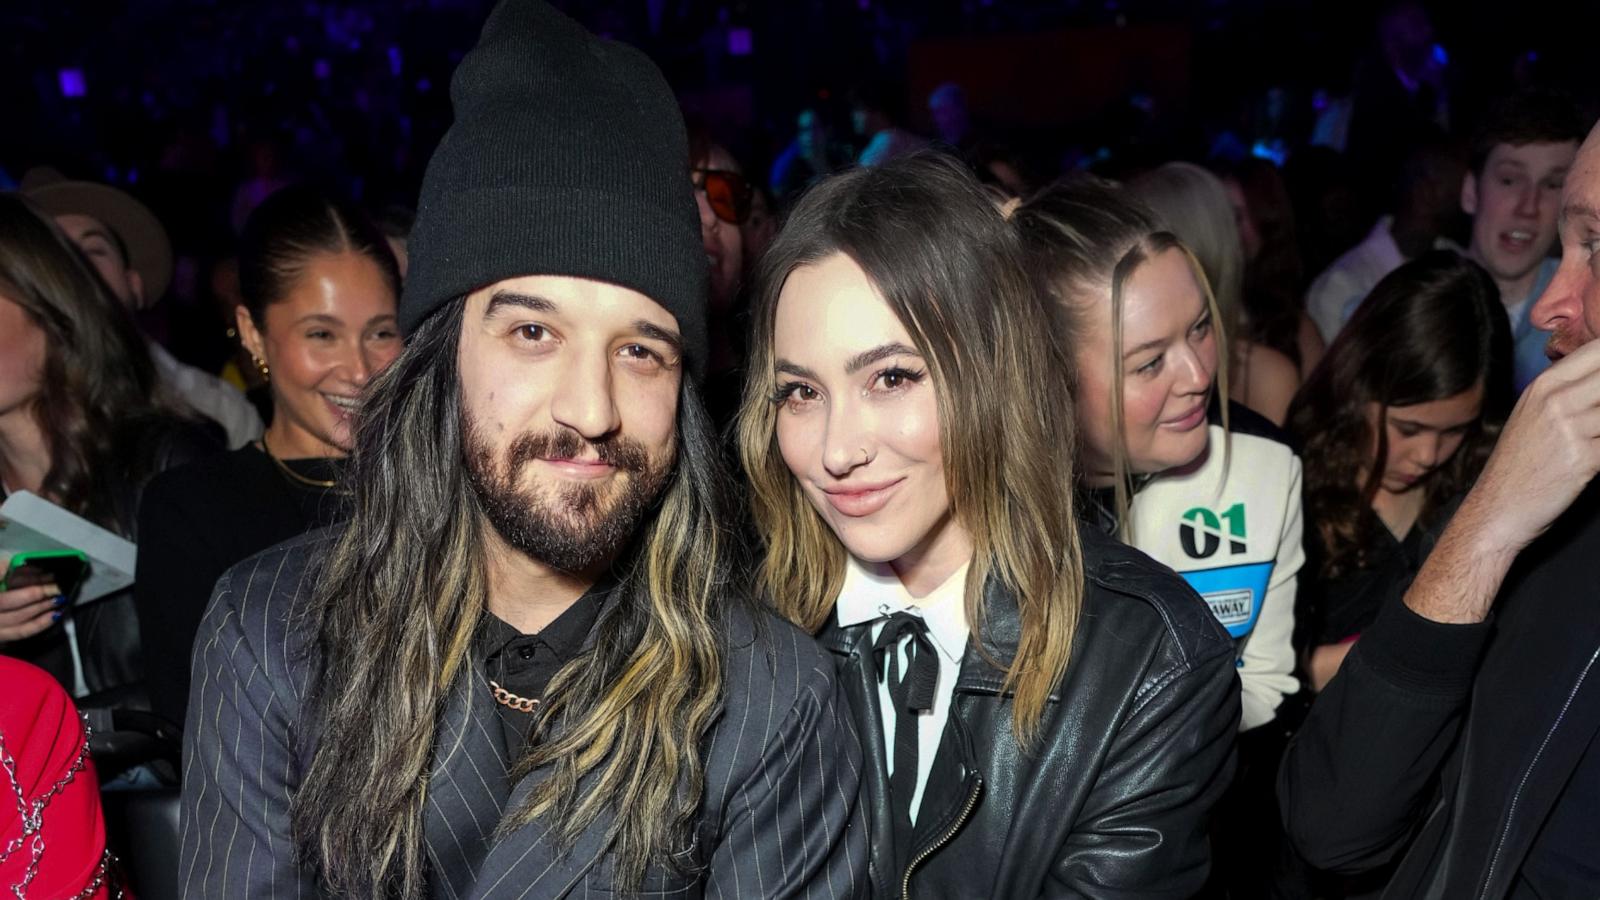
(612, 517)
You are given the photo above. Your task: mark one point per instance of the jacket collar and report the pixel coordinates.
(872, 591)
(1001, 633)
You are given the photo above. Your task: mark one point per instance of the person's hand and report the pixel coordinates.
(1548, 452)
(26, 611)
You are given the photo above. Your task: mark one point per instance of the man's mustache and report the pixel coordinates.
(624, 454)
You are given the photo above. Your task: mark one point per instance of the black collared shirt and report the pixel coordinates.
(524, 663)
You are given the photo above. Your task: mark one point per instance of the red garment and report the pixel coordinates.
(42, 735)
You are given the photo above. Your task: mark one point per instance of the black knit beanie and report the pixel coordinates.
(567, 157)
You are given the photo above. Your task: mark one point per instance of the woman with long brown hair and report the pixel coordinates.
(1043, 711)
(1396, 423)
(79, 429)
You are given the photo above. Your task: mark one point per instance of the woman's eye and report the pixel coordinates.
(531, 333)
(1151, 367)
(320, 335)
(795, 394)
(897, 378)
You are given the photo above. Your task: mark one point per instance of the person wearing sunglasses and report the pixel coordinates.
(724, 198)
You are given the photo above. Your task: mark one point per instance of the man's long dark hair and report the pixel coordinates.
(392, 619)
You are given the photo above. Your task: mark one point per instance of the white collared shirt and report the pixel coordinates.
(874, 592)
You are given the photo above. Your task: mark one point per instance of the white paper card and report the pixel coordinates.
(29, 522)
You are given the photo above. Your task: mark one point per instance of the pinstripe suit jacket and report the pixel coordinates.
(779, 817)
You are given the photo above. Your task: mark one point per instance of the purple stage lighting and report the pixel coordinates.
(72, 83)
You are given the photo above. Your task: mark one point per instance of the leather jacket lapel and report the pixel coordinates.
(852, 648)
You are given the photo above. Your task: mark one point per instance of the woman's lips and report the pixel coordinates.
(861, 500)
(1189, 420)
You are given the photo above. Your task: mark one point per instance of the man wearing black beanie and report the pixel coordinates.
(528, 667)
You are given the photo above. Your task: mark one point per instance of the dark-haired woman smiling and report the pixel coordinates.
(1396, 422)
(320, 287)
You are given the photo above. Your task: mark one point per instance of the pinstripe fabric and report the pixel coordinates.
(780, 816)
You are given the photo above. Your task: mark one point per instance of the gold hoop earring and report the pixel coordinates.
(261, 366)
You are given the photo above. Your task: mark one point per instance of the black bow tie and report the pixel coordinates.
(910, 693)
(914, 691)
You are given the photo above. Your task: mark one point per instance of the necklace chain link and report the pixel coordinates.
(506, 698)
(31, 814)
(291, 474)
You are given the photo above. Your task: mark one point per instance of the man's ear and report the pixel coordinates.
(136, 288)
(1469, 193)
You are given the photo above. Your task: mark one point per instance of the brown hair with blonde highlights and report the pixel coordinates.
(945, 261)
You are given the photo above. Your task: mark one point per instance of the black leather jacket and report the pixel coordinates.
(1135, 746)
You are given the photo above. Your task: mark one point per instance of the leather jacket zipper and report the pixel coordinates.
(966, 810)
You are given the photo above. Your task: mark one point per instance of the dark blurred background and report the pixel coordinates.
(200, 108)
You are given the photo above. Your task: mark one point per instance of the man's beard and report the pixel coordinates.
(573, 526)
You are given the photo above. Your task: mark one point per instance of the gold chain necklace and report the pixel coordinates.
(292, 474)
(506, 698)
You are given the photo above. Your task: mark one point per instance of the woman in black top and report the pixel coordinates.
(320, 288)
(1395, 424)
(77, 428)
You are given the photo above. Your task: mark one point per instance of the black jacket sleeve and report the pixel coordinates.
(1358, 775)
(1144, 828)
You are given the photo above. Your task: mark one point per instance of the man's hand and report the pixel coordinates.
(1547, 454)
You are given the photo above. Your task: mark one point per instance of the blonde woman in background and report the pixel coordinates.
(1193, 204)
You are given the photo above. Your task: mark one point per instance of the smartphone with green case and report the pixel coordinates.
(66, 569)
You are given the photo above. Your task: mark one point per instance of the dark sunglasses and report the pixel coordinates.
(728, 193)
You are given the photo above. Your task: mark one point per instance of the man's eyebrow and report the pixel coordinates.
(529, 302)
(1579, 211)
(657, 333)
(97, 231)
(877, 354)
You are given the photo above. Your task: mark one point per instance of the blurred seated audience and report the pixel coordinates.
(947, 106)
(872, 117)
(1428, 198)
(127, 245)
(51, 827)
(320, 288)
(808, 157)
(1273, 312)
(1394, 427)
(1193, 204)
(1521, 151)
(79, 428)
